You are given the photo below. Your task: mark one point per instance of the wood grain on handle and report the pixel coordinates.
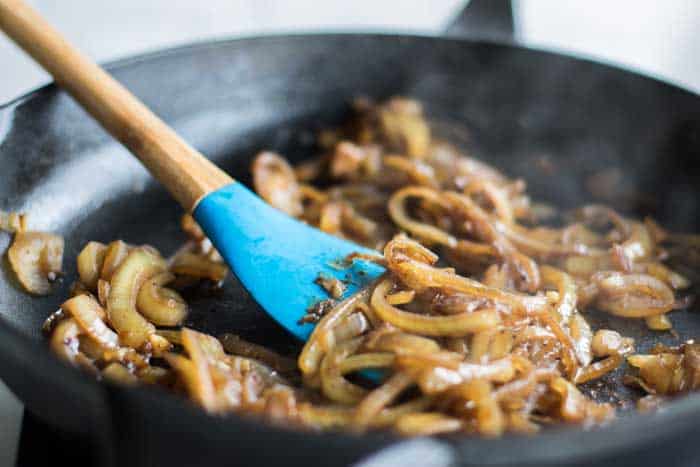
(186, 173)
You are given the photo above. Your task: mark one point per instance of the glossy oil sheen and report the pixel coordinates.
(278, 258)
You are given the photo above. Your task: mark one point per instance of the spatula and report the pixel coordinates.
(276, 257)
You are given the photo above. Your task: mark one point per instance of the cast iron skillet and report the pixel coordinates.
(230, 99)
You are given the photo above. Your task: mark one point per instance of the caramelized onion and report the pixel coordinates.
(90, 261)
(132, 273)
(13, 222)
(160, 305)
(36, 258)
(190, 264)
(479, 324)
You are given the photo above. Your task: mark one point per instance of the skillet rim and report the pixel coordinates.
(626, 433)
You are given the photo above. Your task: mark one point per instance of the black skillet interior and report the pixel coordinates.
(510, 106)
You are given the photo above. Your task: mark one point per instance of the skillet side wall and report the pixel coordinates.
(231, 99)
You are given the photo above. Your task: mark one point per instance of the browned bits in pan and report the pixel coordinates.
(477, 327)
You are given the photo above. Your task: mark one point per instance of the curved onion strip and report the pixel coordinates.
(496, 196)
(606, 342)
(489, 416)
(89, 315)
(566, 287)
(401, 343)
(451, 325)
(36, 258)
(115, 254)
(428, 233)
(598, 369)
(582, 335)
(126, 282)
(190, 264)
(531, 246)
(380, 398)
(366, 360)
(160, 305)
(485, 230)
(198, 372)
(90, 261)
(336, 416)
(310, 357)
(333, 384)
(411, 263)
(103, 288)
(64, 340)
(417, 172)
(235, 345)
(351, 326)
(633, 295)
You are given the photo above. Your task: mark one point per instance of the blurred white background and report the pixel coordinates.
(661, 38)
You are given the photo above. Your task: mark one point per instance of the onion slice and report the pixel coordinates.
(139, 266)
(36, 259)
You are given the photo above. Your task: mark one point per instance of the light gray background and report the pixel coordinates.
(661, 38)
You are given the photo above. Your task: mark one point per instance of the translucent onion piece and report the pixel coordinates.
(190, 264)
(606, 342)
(310, 358)
(663, 373)
(13, 222)
(198, 374)
(116, 253)
(411, 263)
(489, 416)
(160, 305)
(64, 340)
(132, 273)
(90, 261)
(573, 407)
(452, 325)
(417, 172)
(274, 180)
(633, 295)
(598, 369)
(334, 386)
(379, 399)
(426, 232)
(582, 335)
(671, 371)
(103, 288)
(36, 258)
(89, 315)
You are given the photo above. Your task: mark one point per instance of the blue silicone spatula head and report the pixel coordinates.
(278, 258)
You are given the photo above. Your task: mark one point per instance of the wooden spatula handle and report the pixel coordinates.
(186, 173)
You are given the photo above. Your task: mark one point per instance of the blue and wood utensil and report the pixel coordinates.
(276, 257)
